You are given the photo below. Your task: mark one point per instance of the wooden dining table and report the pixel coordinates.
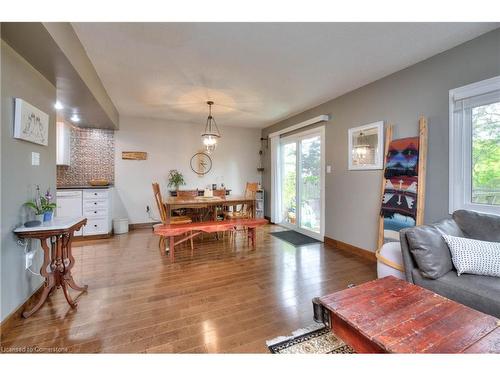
(173, 203)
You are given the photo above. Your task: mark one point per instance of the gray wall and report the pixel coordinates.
(19, 178)
(353, 197)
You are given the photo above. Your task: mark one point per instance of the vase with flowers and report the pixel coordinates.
(48, 206)
(42, 205)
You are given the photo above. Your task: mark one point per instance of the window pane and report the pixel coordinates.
(310, 209)
(486, 154)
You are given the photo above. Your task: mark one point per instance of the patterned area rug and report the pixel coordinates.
(316, 339)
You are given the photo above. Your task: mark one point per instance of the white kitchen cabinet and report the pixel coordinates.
(93, 204)
(97, 209)
(69, 204)
(63, 144)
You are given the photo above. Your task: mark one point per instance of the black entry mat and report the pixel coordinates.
(295, 238)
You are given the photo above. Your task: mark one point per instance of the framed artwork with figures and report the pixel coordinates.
(30, 123)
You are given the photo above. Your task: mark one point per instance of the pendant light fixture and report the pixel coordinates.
(362, 147)
(211, 134)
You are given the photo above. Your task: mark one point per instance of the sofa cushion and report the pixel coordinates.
(478, 226)
(479, 292)
(429, 249)
(474, 256)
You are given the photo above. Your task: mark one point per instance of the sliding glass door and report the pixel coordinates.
(310, 178)
(302, 193)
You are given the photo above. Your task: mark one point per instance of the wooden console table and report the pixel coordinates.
(57, 259)
(389, 315)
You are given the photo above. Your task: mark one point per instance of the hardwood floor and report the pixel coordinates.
(223, 299)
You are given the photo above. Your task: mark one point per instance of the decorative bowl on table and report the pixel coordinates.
(99, 182)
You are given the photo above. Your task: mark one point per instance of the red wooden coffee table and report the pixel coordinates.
(392, 316)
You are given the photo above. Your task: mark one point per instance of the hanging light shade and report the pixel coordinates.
(211, 134)
(362, 147)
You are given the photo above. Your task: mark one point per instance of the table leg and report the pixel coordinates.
(68, 279)
(214, 207)
(169, 213)
(251, 236)
(161, 244)
(68, 297)
(46, 291)
(171, 247)
(68, 253)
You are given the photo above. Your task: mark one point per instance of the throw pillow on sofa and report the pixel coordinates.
(429, 249)
(474, 256)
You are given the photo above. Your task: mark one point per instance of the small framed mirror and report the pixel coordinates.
(366, 146)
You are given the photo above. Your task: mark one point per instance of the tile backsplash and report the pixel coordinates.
(92, 157)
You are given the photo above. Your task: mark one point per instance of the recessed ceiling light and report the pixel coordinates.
(58, 105)
(75, 118)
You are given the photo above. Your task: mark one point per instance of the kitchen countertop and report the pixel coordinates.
(81, 187)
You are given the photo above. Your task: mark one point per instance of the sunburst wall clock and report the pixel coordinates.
(201, 163)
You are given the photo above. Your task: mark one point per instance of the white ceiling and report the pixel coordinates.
(257, 73)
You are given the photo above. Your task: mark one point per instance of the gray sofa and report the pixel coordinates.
(428, 263)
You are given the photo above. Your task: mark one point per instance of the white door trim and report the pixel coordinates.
(320, 130)
(302, 124)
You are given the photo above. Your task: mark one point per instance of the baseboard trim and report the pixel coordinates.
(92, 237)
(17, 313)
(142, 225)
(370, 255)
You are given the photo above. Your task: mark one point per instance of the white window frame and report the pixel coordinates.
(460, 180)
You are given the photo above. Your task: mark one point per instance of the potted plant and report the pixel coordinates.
(36, 205)
(47, 206)
(42, 205)
(175, 179)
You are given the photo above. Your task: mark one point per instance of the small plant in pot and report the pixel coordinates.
(175, 179)
(41, 206)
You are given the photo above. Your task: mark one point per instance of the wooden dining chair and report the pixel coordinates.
(164, 216)
(219, 210)
(221, 193)
(244, 212)
(196, 212)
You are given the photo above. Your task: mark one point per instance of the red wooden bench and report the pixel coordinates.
(170, 231)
